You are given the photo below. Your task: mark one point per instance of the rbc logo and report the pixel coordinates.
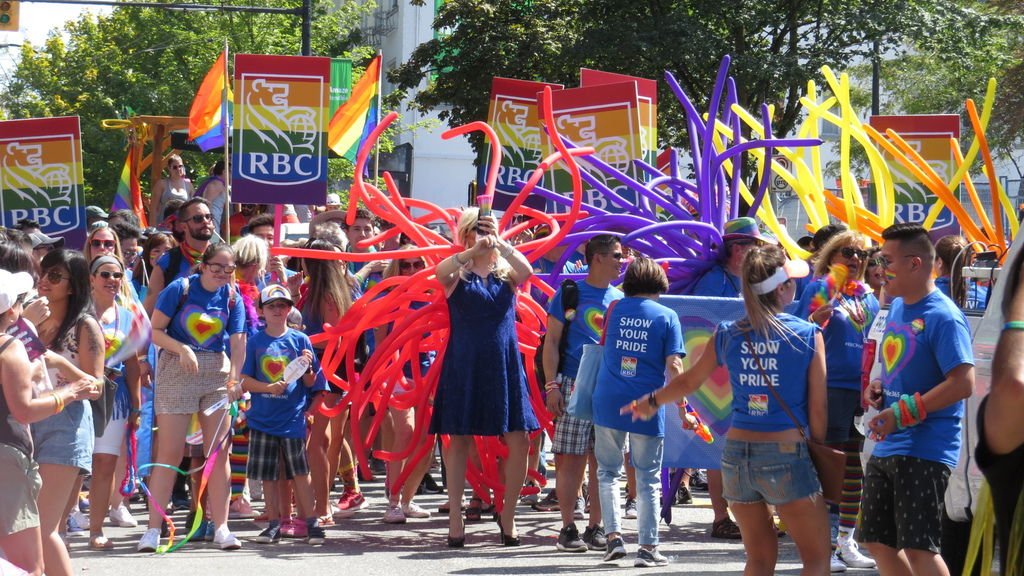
(282, 143)
(40, 174)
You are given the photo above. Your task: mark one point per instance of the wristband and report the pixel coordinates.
(923, 413)
(1014, 325)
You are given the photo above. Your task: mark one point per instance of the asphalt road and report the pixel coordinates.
(365, 546)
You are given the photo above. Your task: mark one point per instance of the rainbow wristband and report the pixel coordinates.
(922, 411)
(911, 404)
(1014, 325)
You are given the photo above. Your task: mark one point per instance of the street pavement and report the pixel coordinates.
(365, 546)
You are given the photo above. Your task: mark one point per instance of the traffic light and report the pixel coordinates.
(9, 15)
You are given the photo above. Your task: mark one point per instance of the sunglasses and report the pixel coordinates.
(102, 244)
(886, 263)
(417, 265)
(55, 277)
(200, 218)
(107, 275)
(220, 268)
(615, 255)
(850, 252)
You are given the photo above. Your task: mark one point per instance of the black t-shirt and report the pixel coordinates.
(1005, 479)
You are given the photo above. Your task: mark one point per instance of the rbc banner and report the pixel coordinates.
(280, 134)
(929, 134)
(698, 317)
(41, 176)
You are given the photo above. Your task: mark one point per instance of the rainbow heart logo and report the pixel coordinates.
(111, 343)
(593, 317)
(273, 367)
(201, 326)
(898, 345)
(716, 393)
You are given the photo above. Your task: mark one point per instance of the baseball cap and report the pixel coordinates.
(95, 212)
(275, 292)
(40, 239)
(12, 286)
(333, 200)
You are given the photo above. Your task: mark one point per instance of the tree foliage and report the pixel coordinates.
(776, 46)
(150, 62)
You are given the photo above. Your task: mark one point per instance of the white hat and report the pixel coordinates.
(12, 286)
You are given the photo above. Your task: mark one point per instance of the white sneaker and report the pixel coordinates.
(835, 564)
(414, 510)
(77, 522)
(122, 516)
(225, 539)
(149, 541)
(849, 553)
(394, 515)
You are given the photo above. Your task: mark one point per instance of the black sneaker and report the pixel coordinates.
(649, 558)
(616, 549)
(272, 535)
(684, 496)
(594, 537)
(569, 540)
(316, 536)
(548, 503)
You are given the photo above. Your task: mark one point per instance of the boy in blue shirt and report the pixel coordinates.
(277, 416)
(927, 372)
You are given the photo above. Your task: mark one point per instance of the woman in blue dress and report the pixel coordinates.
(482, 389)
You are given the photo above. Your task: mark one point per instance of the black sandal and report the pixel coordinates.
(726, 529)
(474, 513)
(506, 540)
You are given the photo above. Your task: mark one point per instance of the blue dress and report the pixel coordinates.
(482, 389)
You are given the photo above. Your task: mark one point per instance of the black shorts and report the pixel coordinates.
(268, 452)
(902, 505)
(843, 407)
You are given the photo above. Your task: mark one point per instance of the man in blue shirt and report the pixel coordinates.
(927, 372)
(723, 279)
(573, 444)
(196, 220)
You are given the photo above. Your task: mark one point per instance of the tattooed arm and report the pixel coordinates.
(90, 347)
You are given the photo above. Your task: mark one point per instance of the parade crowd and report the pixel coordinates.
(228, 403)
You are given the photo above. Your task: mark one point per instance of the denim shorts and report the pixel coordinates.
(65, 439)
(772, 472)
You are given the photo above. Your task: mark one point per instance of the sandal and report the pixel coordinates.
(100, 543)
(474, 513)
(726, 529)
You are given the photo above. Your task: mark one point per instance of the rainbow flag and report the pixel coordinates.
(207, 119)
(355, 119)
(129, 193)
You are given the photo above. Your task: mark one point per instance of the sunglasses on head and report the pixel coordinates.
(850, 252)
(200, 218)
(417, 265)
(101, 243)
(107, 275)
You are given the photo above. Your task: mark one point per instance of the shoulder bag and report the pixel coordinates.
(581, 401)
(829, 462)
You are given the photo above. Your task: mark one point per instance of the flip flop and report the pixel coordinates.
(474, 513)
(100, 543)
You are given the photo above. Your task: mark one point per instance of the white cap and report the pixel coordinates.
(12, 286)
(333, 200)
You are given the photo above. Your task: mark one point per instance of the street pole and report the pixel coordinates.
(307, 27)
(876, 79)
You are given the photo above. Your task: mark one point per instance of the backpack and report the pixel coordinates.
(570, 300)
(174, 265)
(184, 296)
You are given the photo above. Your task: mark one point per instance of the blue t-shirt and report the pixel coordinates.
(717, 282)
(640, 335)
(266, 357)
(921, 344)
(203, 320)
(784, 357)
(585, 327)
(844, 334)
(976, 298)
(164, 263)
(115, 335)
